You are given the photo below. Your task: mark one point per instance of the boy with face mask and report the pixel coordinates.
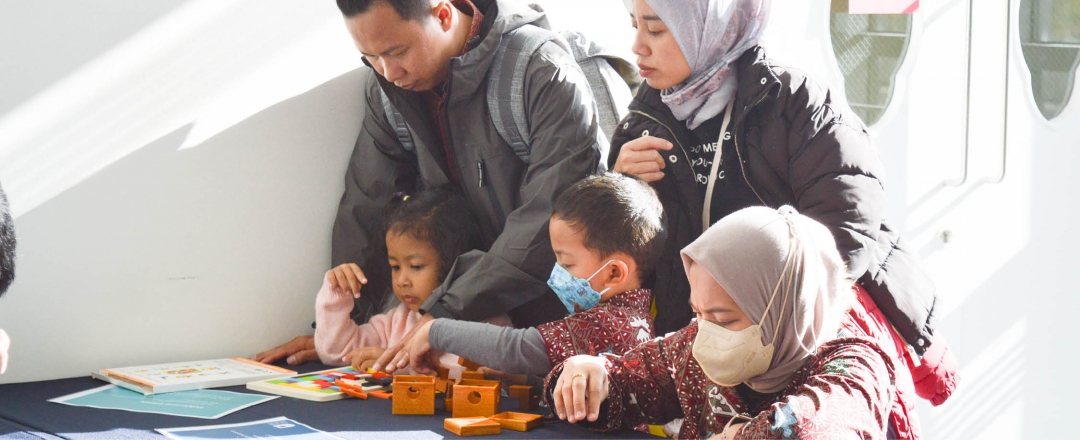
(607, 231)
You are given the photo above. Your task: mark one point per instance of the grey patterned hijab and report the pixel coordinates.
(712, 34)
(758, 252)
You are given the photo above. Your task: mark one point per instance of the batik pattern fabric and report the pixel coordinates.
(845, 390)
(613, 326)
(657, 382)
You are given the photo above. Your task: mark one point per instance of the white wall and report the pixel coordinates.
(174, 169)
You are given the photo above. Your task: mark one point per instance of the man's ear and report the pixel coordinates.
(443, 14)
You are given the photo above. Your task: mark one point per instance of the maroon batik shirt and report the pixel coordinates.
(613, 326)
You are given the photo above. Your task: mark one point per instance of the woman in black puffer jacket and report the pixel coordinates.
(785, 143)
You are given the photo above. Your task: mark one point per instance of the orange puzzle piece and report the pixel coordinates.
(469, 365)
(516, 421)
(466, 426)
(524, 395)
(413, 395)
(472, 375)
(475, 398)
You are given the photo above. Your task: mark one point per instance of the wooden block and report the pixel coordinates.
(475, 398)
(381, 394)
(413, 395)
(475, 375)
(469, 365)
(349, 387)
(442, 379)
(466, 426)
(516, 421)
(524, 396)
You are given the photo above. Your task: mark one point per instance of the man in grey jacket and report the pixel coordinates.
(432, 59)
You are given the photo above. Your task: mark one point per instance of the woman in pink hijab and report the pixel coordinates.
(770, 355)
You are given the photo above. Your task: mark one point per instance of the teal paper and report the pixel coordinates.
(205, 404)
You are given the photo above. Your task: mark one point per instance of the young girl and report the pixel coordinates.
(425, 234)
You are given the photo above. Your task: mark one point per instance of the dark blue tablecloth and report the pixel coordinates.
(26, 413)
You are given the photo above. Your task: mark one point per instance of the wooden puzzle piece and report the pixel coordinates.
(476, 375)
(516, 421)
(413, 395)
(469, 365)
(527, 400)
(475, 398)
(467, 426)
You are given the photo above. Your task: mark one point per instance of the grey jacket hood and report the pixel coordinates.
(470, 70)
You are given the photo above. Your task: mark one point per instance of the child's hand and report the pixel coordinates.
(347, 277)
(364, 357)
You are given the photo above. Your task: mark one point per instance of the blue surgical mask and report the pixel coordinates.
(575, 293)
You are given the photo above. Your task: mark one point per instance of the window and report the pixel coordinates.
(869, 50)
(1050, 38)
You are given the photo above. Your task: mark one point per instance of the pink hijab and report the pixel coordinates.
(712, 34)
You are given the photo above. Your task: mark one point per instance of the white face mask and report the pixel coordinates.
(731, 357)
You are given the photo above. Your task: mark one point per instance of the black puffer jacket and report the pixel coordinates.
(796, 148)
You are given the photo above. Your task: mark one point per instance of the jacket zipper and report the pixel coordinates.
(743, 169)
(738, 153)
(481, 171)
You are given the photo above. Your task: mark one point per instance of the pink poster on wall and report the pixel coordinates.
(882, 6)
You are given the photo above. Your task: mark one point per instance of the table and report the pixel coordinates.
(25, 413)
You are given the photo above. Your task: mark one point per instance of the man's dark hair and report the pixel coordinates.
(412, 10)
(616, 213)
(439, 216)
(7, 244)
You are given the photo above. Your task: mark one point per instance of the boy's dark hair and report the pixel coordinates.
(616, 213)
(439, 216)
(410, 10)
(7, 244)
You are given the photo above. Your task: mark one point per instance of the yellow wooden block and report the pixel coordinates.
(466, 426)
(413, 395)
(516, 421)
(475, 398)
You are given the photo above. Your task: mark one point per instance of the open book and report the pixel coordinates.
(182, 376)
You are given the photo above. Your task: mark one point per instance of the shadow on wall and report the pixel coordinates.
(1015, 335)
(170, 254)
(79, 30)
(206, 62)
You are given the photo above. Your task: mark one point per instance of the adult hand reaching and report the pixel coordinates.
(641, 158)
(581, 388)
(299, 350)
(397, 356)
